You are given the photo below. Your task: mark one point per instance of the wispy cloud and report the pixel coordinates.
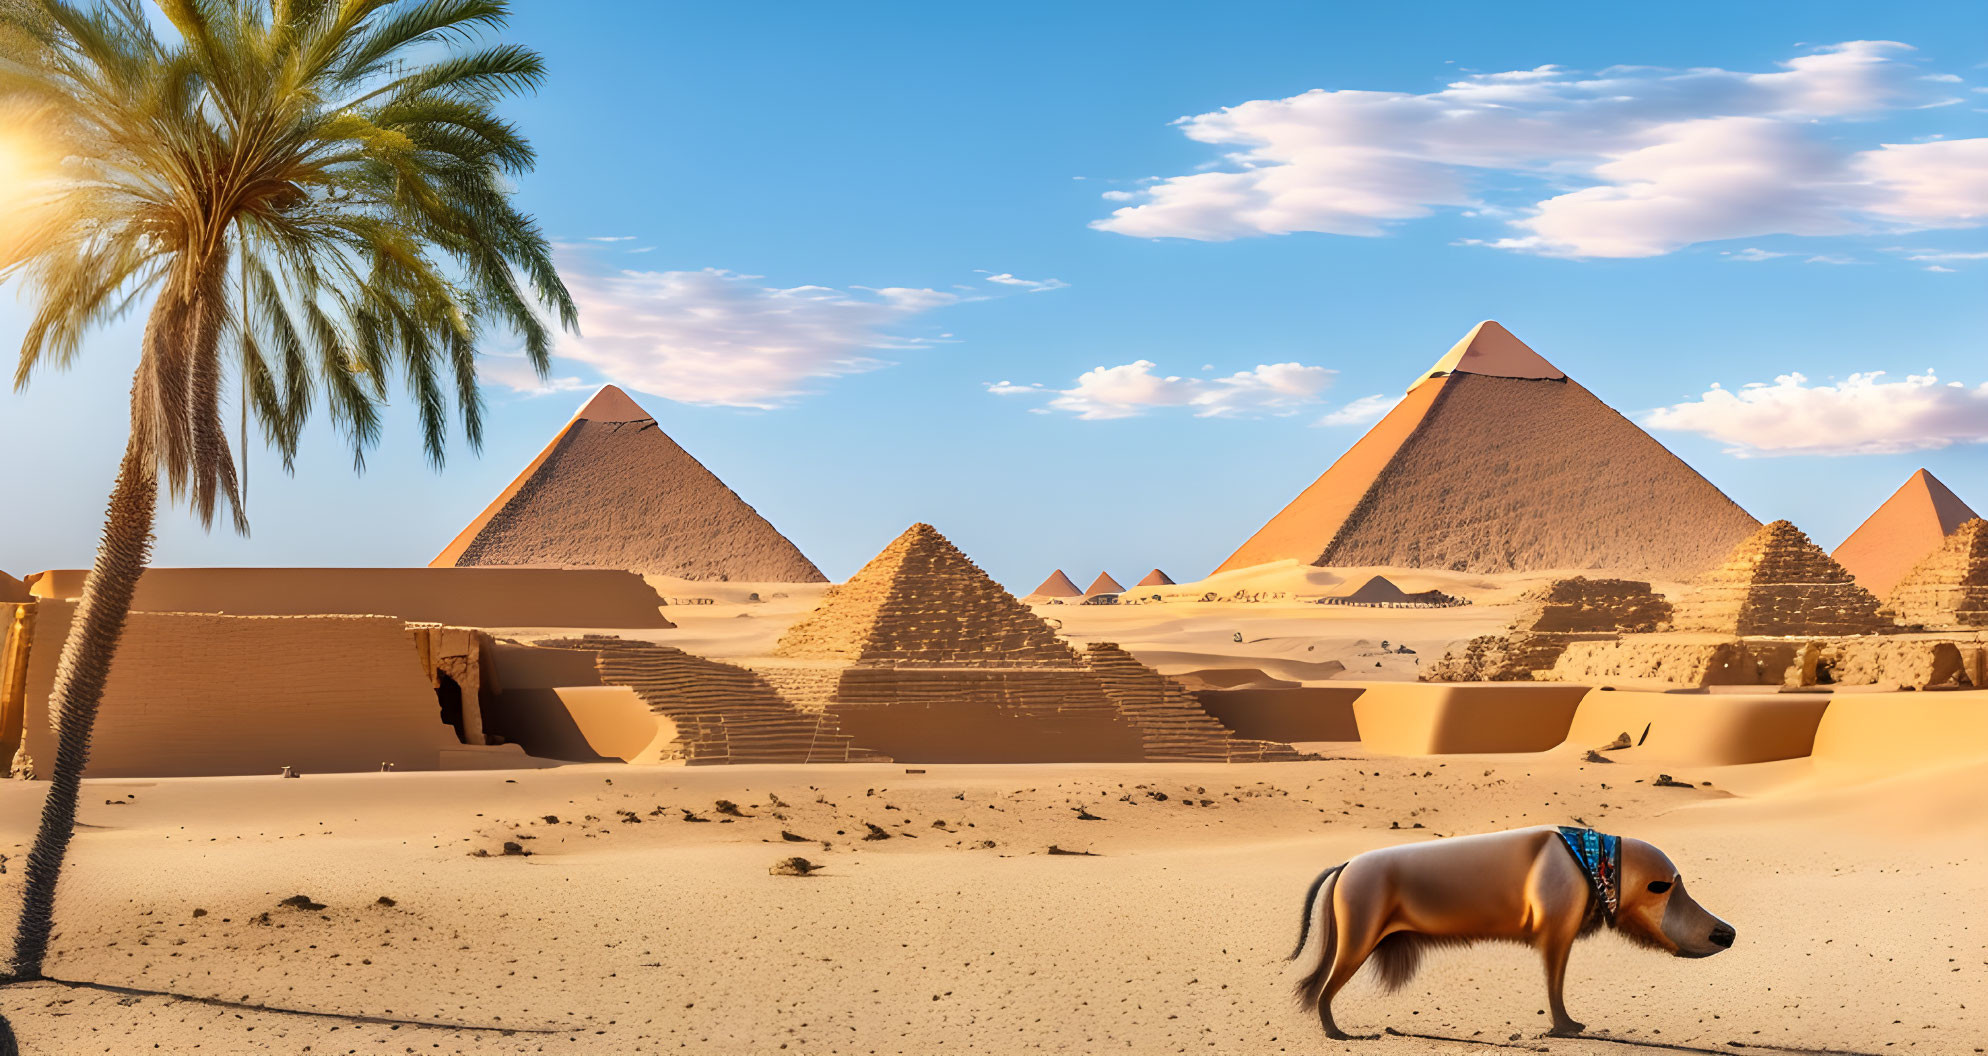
(1862, 415)
(1132, 389)
(611, 238)
(1031, 285)
(1752, 255)
(1363, 411)
(718, 337)
(1658, 159)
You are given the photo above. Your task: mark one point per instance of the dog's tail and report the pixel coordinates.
(1318, 902)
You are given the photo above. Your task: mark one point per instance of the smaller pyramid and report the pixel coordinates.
(1378, 591)
(1156, 578)
(1949, 589)
(1104, 584)
(922, 600)
(1909, 526)
(1057, 585)
(1778, 583)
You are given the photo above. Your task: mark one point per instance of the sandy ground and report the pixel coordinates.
(631, 929)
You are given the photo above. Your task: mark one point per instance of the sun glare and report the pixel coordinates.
(23, 165)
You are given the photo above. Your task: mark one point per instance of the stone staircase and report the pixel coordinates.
(723, 714)
(1169, 718)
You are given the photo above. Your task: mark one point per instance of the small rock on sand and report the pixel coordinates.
(792, 867)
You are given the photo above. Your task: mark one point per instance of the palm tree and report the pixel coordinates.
(317, 187)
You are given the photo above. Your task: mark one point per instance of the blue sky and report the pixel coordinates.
(814, 240)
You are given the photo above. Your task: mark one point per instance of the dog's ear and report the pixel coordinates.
(1658, 887)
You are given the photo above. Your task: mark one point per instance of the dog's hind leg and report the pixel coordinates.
(1359, 918)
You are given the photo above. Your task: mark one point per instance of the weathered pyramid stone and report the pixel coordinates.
(1057, 585)
(1777, 582)
(1156, 578)
(923, 600)
(1949, 588)
(1549, 620)
(1495, 461)
(921, 656)
(1104, 584)
(1910, 525)
(613, 491)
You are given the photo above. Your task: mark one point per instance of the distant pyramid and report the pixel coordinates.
(1777, 582)
(1496, 461)
(1949, 588)
(613, 491)
(1909, 526)
(12, 589)
(1104, 584)
(921, 599)
(1156, 578)
(1057, 585)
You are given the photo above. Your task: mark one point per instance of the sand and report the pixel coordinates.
(1857, 933)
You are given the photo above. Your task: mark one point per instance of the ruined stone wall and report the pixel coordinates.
(1919, 663)
(1516, 656)
(1683, 660)
(199, 694)
(931, 713)
(1549, 619)
(16, 638)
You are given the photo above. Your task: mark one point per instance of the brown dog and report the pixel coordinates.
(1543, 887)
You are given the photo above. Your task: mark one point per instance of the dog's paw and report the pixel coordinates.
(1567, 1030)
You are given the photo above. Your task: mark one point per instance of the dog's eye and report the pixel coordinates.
(1658, 887)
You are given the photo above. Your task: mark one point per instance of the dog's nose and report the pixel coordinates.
(1723, 935)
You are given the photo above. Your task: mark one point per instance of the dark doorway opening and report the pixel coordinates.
(449, 694)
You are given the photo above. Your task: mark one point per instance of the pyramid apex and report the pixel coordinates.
(610, 404)
(1104, 584)
(1492, 350)
(1057, 585)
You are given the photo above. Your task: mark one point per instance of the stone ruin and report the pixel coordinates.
(1551, 618)
(924, 657)
(1949, 588)
(1777, 612)
(1779, 583)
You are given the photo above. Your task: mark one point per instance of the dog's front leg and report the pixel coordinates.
(1555, 948)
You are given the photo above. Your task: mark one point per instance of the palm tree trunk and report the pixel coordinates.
(79, 688)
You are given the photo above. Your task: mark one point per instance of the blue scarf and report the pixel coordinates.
(1600, 857)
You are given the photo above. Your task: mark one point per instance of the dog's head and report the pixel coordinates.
(1656, 911)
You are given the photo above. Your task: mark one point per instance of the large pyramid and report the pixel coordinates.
(1949, 587)
(923, 657)
(1777, 582)
(1910, 525)
(1496, 461)
(613, 491)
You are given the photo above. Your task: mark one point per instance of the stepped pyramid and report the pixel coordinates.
(922, 600)
(1057, 585)
(921, 656)
(1949, 588)
(1156, 578)
(1496, 461)
(1777, 582)
(1104, 584)
(1909, 526)
(613, 491)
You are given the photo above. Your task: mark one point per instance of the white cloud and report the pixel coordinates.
(514, 372)
(1365, 410)
(1830, 258)
(1132, 389)
(1862, 415)
(1942, 256)
(1939, 267)
(1031, 285)
(1752, 255)
(611, 238)
(717, 337)
(1656, 159)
